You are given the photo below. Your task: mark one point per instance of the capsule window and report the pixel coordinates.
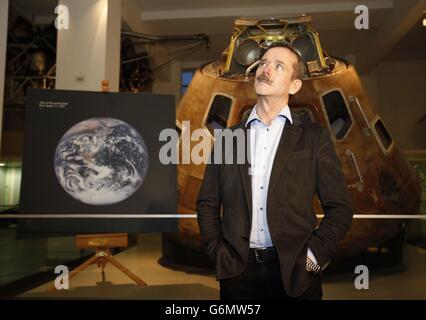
(383, 134)
(337, 112)
(219, 113)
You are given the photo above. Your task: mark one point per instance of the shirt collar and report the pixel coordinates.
(285, 112)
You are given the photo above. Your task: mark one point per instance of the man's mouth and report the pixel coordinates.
(264, 78)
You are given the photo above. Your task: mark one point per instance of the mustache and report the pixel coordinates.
(264, 78)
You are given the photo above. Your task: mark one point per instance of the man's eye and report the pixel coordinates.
(279, 67)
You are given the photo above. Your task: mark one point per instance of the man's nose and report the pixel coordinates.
(267, 71)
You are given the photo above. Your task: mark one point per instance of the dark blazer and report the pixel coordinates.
(305, 163)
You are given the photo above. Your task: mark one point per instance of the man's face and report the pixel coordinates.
(273, 76)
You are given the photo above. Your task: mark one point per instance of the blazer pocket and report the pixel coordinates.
(300, 154)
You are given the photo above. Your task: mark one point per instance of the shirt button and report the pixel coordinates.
(261, 188)
(261, 208)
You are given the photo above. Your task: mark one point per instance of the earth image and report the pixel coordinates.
(101, 161)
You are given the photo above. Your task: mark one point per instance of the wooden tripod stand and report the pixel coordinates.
(103, 244)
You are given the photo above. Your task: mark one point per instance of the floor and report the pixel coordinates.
(142, 260)
(31, 255)
(403, 282)
(400, 283)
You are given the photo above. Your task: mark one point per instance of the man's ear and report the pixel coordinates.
(295, 86)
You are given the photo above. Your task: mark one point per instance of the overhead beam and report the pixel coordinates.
(273, 11)
(378, 43)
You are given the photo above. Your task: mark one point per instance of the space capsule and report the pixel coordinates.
(221, 94)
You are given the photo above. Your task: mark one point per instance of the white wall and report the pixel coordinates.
(89, 51)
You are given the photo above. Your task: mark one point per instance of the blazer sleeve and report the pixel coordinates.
(335, 201)
(209, 205)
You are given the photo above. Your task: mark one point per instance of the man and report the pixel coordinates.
(266, 243)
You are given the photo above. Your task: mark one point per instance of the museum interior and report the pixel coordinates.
(93, 92)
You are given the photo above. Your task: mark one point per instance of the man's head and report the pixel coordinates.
(280, 72)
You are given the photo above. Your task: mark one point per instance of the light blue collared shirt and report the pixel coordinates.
(264, 141)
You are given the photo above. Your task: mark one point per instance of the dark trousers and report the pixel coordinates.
(262, 280)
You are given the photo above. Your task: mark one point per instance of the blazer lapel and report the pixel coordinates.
(245, 172)
(287, 142)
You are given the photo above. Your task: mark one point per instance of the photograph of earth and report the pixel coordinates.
(96, 153)
(101, 161)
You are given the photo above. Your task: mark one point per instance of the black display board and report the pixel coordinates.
(97, 153)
